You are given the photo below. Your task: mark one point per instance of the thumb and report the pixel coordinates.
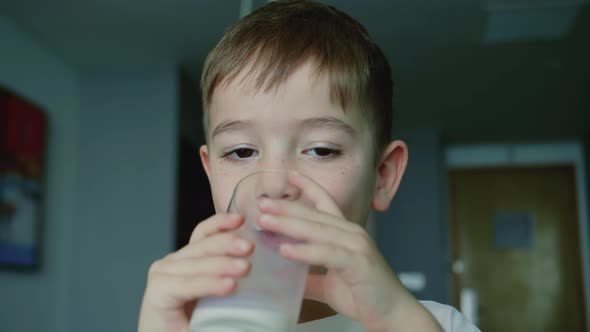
(314, 288)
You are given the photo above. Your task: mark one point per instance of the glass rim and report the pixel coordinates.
(235, 191)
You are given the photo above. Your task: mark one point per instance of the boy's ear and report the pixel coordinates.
(204, 153)
(390, 170)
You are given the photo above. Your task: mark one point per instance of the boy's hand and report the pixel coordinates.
(202, 268)
(358, 282)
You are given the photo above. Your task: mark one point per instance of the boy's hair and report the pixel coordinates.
(275, 40)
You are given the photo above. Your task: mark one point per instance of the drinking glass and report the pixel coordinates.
(269, 297)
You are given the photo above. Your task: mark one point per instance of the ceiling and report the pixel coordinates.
(488, 70)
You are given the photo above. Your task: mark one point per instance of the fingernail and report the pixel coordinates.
(240, 264)
(286, 248)
(267, 220)
(227, 282)
(243, 245)
(234, 216)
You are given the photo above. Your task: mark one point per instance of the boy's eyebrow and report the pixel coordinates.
(311, 123)
(328, 122)
(228, 126)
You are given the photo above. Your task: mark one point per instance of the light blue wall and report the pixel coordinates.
(413, 234)
(37, 301)
(110, 188)
(125, 191)
(586, 143)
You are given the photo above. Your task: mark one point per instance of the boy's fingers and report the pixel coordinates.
(174, 290)
(318, 195)
(310, 231)
(215, 224)
(215, 245)
(301, 211)
(203, 266)
(330, 256)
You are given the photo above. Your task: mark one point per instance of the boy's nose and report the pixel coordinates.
(275, 185)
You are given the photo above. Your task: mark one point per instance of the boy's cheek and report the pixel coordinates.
(352, 192)
(221, 189)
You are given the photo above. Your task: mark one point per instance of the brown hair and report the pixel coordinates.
(275, 40)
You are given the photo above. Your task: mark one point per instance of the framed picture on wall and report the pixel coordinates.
(22, 146)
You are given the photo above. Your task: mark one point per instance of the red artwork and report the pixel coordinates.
(22, 146)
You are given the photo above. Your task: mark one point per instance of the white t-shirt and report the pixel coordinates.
(448, 317)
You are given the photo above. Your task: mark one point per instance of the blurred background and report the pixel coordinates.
(492, 97)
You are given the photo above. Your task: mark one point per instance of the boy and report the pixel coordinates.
(299, 86)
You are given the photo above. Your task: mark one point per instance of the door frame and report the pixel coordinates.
(459, 156)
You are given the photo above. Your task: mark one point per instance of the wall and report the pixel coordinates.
(586, 147)
(412, 234)
(193, 201)
(110, 188)
(125, 191)
(191, 113)
(35, 301)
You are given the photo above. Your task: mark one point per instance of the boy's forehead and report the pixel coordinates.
(302, 103)
(250, 82)
(306, 90)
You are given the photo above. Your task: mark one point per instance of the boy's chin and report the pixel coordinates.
(317, 270)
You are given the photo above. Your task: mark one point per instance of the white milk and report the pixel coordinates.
(234, 319)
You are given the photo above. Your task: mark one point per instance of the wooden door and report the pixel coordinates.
(527, 282)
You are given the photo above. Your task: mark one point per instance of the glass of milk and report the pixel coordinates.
(269, 297)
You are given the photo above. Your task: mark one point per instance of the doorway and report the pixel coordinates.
(515, 244)
(513, 229)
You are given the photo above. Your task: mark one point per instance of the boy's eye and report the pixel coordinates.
(244, 153)
(322, 152)
(241, 153)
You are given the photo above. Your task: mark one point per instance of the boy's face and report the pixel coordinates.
(296, 127)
